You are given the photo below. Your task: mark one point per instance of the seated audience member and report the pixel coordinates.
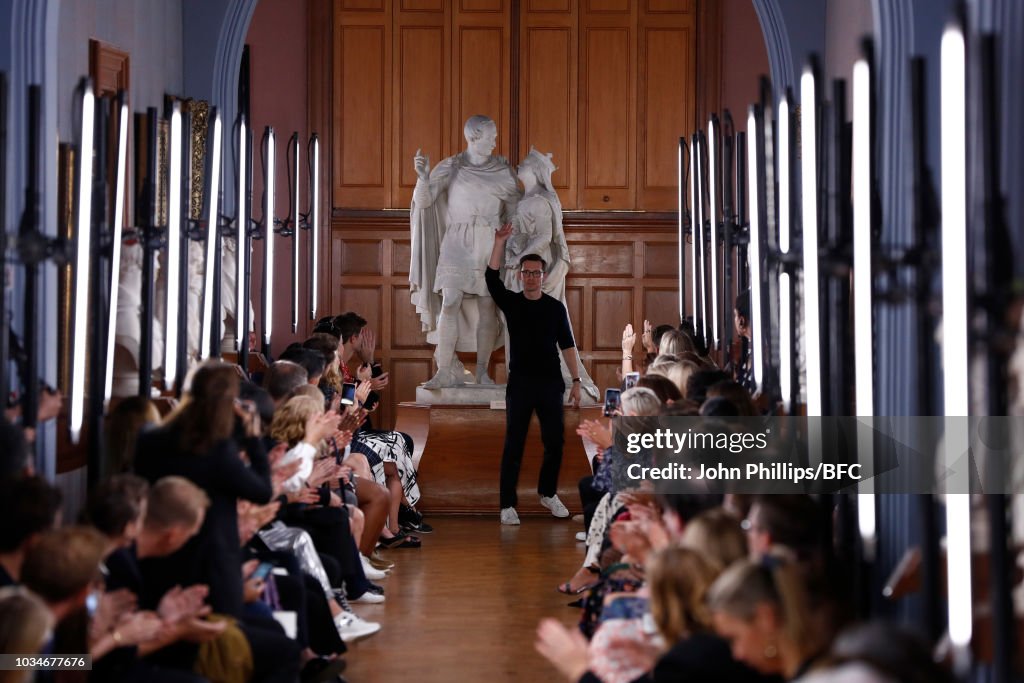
(773, 615)
(675, 342)
(793, 521)
(734, 393)
(664, 388)
(717, 535)
(199, 443)
(14, 455)
(129, 417)
(718, 407)
(880, 652)
(282, 378)
(309, 359)
(29, 506)
(698, 382)
(25, 628)
(116, 508)
(678, 371)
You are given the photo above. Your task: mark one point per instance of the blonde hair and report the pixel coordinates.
(310, 391)
(780, 584)
(675, 342)
(174, 501)
(716, 534)
(289, 423)
(679, 579)
(25, 624)
(678, 371)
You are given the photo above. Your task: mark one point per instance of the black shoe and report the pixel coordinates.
(322, 670)
(420, 528)
(374, 588)
(409, 515)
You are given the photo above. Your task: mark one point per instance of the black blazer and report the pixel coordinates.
(214, 555)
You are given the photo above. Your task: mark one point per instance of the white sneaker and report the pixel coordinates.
(509, 516)
(372, 573)
(351, 627)
(368, 598)
(555, 505)
(581, 536)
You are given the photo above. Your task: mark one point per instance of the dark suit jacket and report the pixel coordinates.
(214, 555)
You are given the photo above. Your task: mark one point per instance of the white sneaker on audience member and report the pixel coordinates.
(368, 598)
(351, 627)
(555, 505)
(372, 573)
(581, 536)
(509, 516)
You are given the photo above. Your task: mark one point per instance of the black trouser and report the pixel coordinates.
(523, 396)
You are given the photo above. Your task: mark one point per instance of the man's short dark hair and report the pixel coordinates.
(743, 304)
(282, 377)
(533, 257)
(261, 397)
(115, 503)
(349, 324)
(312, 360)
(658, 332)
(793, 520)
(28, 506)
(698, 382)
(326, 325)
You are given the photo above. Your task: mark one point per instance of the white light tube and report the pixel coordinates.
(115, 257)
(694, 218)
(83, 257)
(268, 237)
(754, 253)
(713, 215)
(295, 237)
(809, 170)
(703, 252)
(314, 276)
(681, 234)
(785, 225)
(173, 248)
(955, 324)
(241, 229)
(211, 241)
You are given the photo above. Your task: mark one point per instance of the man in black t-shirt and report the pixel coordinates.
(538, 328)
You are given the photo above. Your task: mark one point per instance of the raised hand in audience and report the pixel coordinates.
(305, 495)
(597, 432)
(252, 518)
(320, 427)
(324, 470)
(279, 474)
(379, 382)
(111, 607)
(630, 539)
(648, 338)
(363, 391)
(366, 345)
(565, 648)
(353, 418)
(134, 628)
(628, 340)
(341, 439)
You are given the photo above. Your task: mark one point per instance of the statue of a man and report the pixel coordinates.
(456, 208)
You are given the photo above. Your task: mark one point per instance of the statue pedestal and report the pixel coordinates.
(458, 453)
(467, 394)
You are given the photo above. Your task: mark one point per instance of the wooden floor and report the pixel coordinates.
(465, 606)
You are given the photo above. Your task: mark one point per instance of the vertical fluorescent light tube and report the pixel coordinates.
(82, 261)
(693, 229)
(314, 231)
(862, 295)
(211, 241)
(115, 257)
(809, 192)
(173, 247)
(713, 215)
(954, 327)
(268, 237)
(295, 238)
(681, 234)
(702, 251)
(241, 228)
(754, 253)
(785, 226)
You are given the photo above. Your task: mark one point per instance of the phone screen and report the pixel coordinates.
(630, 380)
(376, 370)
(611, 401)
(348, 394)
(263, 570)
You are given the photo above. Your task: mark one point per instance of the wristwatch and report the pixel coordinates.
(575, 379)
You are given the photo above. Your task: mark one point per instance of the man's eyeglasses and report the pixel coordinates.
(532, 273)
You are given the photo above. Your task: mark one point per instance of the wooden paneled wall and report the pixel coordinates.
(623, 270)
(607, 86)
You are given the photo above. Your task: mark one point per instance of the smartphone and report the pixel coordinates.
(630, 380)
(348, 394)
(262, 571)
(611, 401)
(376, 370)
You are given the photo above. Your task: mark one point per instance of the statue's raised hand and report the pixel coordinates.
(422, 165)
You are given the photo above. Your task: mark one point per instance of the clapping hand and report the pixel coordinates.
(648, 338)
(628, 340)
(596, 432)
(180, 603)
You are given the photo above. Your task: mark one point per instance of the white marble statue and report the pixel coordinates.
(538, 230)
(128, 333)
(456, 208)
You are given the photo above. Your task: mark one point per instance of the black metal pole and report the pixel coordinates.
(5, 387)
(147, 233)
(32, 248)
(728, 294)
(97, 296)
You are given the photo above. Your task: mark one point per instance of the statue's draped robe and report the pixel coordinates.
(452, 237)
